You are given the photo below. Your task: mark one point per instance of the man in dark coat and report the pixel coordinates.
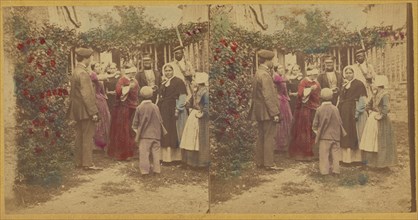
(331, 79)
(265, 110)
(149, 76)
(83, 109)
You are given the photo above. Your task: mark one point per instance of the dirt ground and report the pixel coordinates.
(299, 188)
(117, 189)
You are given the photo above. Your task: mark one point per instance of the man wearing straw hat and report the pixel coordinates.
(265, 110)
(83, 109)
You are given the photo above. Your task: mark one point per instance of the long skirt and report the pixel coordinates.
(170, 143)
(349, 155)
(101, 135)
(122, 137)
(386, 154)
(285, 126)
(195, 141)
(303, 138)
(180, 123)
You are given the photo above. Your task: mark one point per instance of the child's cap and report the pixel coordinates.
(326, 94)
(146, 92)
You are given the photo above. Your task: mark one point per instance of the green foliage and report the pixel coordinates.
(42, 134)
(232, 134)
(314, 32)
(134, 30)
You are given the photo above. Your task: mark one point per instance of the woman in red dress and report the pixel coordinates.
(122, 137)
(303, 138)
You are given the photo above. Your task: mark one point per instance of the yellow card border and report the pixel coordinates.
(10, 3)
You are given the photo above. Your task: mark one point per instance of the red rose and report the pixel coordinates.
(36, 122)
(33, 41)
(231, 76)
(43, 73)
(52, 142)
(39, 65)
(31, 78)
(60, 92)
(48, 93)
(54, 92)
(53, 63)
(402, 35)
(25, 92)
(221, 81)
(234, 46)
(58, 134)
(224, 42)
(28, 41)
(42, 95)
(64, 91)
(236, 116)
(38, 150)
(227, 121)
(49, 52)
(30, 131)
(215, 57)
(43, 108)
(21, 47)
(218, 50)
(42, 40)
(30, 59)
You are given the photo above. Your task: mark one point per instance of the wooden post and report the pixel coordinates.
(348, 57)
(403, 60)
(353, 55)
(339, 60)
(206, 59)
(197, 53)
(169, 53)
(155, 57)
(256, 61)
(202, 55)
(334, 53)
(165, 53)
(72, 60)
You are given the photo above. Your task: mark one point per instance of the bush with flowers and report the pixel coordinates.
(232, 134)
(43, 137)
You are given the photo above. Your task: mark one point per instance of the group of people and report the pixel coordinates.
(161, 117)
(344, 115)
